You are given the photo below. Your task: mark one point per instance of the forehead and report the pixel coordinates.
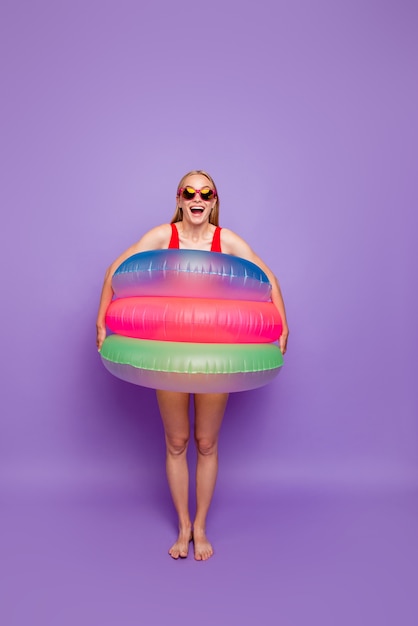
(197, 181)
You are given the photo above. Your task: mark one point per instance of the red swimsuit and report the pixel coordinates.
(216, 241)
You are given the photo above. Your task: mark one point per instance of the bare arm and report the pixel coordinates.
(235, 245)
(154, 239)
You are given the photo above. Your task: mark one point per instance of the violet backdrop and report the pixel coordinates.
(305, 114)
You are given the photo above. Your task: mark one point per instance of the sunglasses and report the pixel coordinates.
(188, 193)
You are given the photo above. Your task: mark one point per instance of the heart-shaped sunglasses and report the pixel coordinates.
(188, 193)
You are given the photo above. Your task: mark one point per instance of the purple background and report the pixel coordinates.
(305, 113)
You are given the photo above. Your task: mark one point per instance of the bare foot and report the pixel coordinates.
(202, 547)
(181, 547)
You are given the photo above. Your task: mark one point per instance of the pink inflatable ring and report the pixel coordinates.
(196, 320)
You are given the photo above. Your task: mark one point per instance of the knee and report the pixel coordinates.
(177, 446)
(206, 447)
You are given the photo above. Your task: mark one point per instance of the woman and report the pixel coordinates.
(193, 227)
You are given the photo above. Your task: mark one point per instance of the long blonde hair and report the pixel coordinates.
(214, 214)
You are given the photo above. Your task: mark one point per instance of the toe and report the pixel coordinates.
(174, 552)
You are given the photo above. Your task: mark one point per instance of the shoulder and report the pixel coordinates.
(237, 246)
(155, 239)
(234, 244)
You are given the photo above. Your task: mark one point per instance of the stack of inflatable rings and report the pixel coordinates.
(192, 321)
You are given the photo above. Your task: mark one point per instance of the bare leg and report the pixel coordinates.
(174, 409)
(209, 412)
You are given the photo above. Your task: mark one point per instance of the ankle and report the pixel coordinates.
(185, 526)
(198, 527)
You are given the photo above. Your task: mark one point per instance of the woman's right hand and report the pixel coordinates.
(101, 336)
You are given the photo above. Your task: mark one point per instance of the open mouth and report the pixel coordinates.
(196, 210)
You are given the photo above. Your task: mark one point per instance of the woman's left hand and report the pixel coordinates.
(283, 340)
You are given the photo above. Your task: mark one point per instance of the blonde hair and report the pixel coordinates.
(214, 214)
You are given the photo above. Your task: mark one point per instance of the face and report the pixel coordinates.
(196, 210)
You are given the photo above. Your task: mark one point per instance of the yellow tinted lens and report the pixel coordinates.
(206, 193)
(189, 192)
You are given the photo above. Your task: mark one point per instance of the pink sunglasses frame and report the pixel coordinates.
(181, 189)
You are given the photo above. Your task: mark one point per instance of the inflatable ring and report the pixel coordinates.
(190, 274)
(192, 368)
(196, 320)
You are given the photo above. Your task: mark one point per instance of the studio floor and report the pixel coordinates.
(282, 557)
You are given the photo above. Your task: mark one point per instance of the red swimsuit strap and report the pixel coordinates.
(216, 241)
(175, 243)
